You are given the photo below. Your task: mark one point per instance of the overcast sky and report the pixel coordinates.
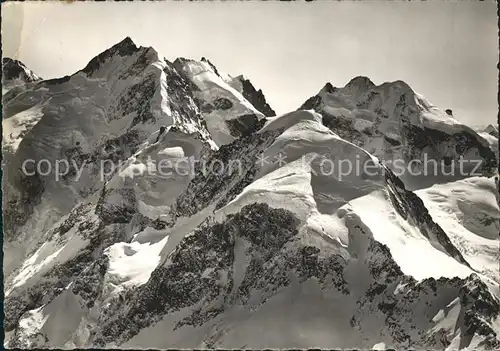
(447, 51)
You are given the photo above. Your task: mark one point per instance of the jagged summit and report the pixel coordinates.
(126, 42)
(361, 82)
(365, 84)
(328, 88)
(492, 130)
(15, 70)
(213, 94)
(199, 66)
(125, 47)
(256, 97)
(393, 122)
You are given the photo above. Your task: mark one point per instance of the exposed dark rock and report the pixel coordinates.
(343, 127)
(304, 262)
(415, 140)
(220, 187)
(138, 67)
(109, 155)
(244, 125)
(200, 268)
(207, 108)
(137, 99)
(479, 309)
(124, 48)
(89, 283)
(313, 103)
(420, 138)
(17, 209)
(392, 141)
(73, 216)
(86, 270)
(183, 103)
(329, 88)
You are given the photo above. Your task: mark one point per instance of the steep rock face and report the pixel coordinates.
(123, 208)
(474, 226)
(208, 256)
(14, 72)
(124, 48)
(251, 236)
(396, 124)
(409, 205)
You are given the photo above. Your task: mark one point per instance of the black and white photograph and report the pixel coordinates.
(250, 175)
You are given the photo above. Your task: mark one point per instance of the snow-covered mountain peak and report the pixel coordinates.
(14, 72)
(228, 108)
(194, 67)
(126, 44)
(394, 122)
(108, 110)
(399, 85)
(119, 54)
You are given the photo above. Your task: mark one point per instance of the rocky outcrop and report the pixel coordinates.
(125, 47)
(19, 207)
(214, 184)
